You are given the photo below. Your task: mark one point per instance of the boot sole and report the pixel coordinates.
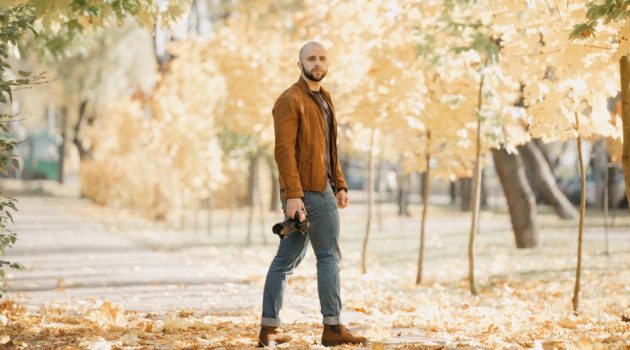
(339, 342)
(332, 343)
(261, 345)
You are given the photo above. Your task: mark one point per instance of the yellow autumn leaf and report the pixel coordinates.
(108, 315)
(567, 323)
(584, 344)
(173, 323)
(5, 339)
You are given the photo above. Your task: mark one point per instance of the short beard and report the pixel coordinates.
(310, 76)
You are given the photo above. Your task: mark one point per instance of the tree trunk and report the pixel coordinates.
(161, 37)
(403, 193)
(624, 68)
(544, 181)
(606, 204)
(83, 152)
(261, 209)
(452, 191)
(473, 226)
(210, 212)
(599, 161)
(425, 206)
(484, 190)
(274, 204)
(520, 198)
(614, 194)
(553, 160)
(62, 147)
(232, 209)
(379, 195)
(578, 270)
(251, 194)
(420, 177)
(476, 192)
(370, 194)
(465, 186)
(199, 21)
(196, 214)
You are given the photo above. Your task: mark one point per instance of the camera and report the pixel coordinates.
(291, 225)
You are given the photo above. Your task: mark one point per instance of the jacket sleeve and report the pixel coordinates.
(341, 181)
(285, 123)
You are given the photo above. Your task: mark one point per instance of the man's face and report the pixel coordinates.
(314, 62)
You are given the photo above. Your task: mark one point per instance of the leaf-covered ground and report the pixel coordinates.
(524, 300)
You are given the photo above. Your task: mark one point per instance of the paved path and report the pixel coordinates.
(70, 257)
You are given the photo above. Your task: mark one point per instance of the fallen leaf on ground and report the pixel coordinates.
(108, 315)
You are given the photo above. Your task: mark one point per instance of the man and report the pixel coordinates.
(311, 184)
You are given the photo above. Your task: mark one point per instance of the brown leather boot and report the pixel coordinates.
(338, 334)
(270, 334)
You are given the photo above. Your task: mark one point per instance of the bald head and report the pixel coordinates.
(309, 48)
(313, 62)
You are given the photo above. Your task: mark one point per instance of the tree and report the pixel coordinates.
(88, 77)
(59, 25)
(477, 52)
(542, 179)
(519, 195)
(14, 22)
(425, 205)
(74, 48)
(578, 270)
(168, 136)
(570, 98)
(616, 12)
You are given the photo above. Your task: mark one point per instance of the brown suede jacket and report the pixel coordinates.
(300, 148)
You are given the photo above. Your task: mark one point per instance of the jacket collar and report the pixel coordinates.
(301, 82)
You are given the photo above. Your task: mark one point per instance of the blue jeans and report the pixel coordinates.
(323, 215)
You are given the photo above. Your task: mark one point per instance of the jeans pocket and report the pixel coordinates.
(308, 201)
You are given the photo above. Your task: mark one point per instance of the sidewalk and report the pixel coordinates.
(70, 258)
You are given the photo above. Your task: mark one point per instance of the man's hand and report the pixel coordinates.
(342, 199)
(296, 205)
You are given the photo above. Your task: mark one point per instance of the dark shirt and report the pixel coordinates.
(328, 122)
